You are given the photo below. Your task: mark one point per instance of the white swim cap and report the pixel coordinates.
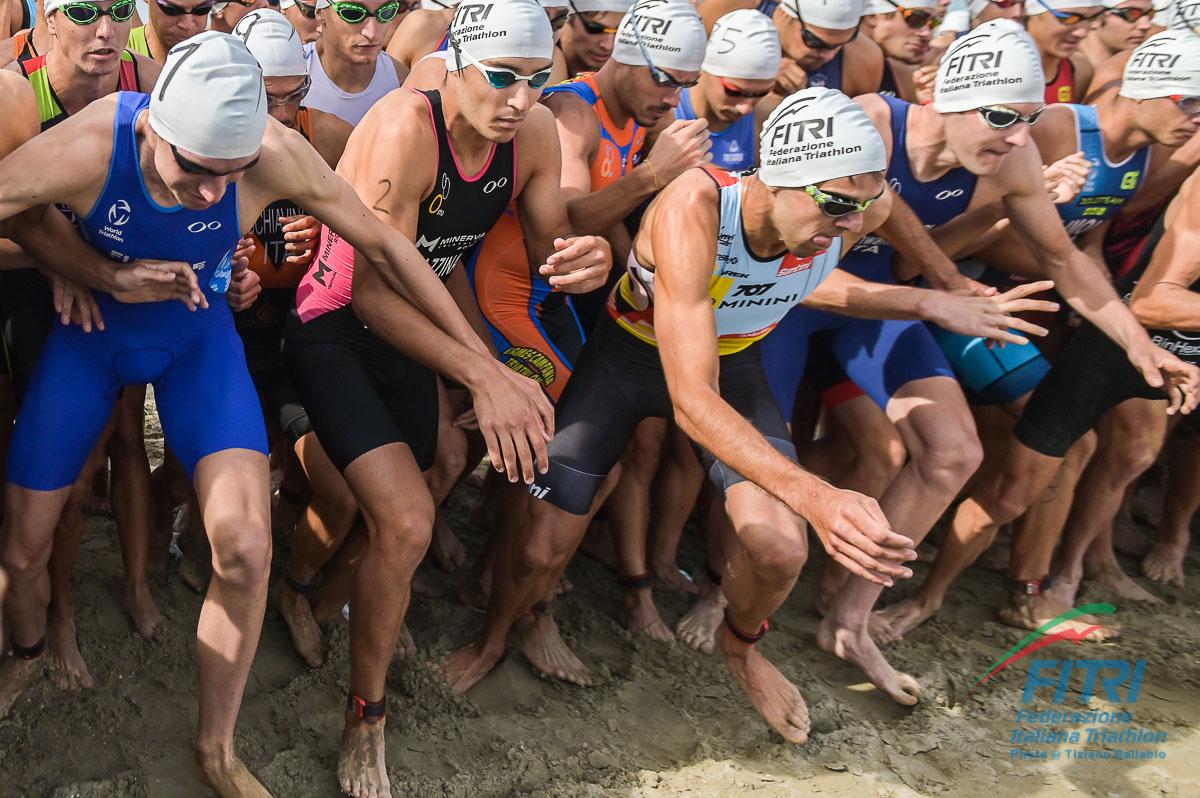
(832, 14)
(499, 29)
(210, 99)
(272, 40)
(995, 64)
(884, 7)
(1167, 63)
(603, 6)
(744, 46)
(670, 31)
(1182, 15)
(438, 5)
(1035, 7)
(815, 135)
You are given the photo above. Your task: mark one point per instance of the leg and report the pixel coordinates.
(398, 512)
(452, 453)
(676, 489)
(1164, 562)
(771, 547)
(233, 491)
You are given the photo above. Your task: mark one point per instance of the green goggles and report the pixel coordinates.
(356, 13)
(84, 13)
(836, 206)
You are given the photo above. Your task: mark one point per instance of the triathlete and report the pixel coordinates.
(303, 16)
(903, 30)
(588, 38)
(1124, 27)
(1058, 27)
(822, 47)
(169, 24)
(347, 67)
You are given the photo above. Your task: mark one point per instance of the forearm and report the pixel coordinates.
(50, 240)
(1087, 289)
(464, 298)
(398, 322)
(709, 421)
(1167, 306)
(597, 212)
(13, 257)
(906, 233)
(971, 231)
(844, 293)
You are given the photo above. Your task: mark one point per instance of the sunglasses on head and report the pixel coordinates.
(1189, 105)
(1131, 14)
(590, 26)
(193, 168)
(559, 20)
(734, 91)
(835, 206)
(1073, 18)
(501, 78)
(172, 10)
(661, 78)
(998, 117)
(85, 13)
(307, 11)
(294, 97)
(356, 13)
(916, 18)
(814, 42)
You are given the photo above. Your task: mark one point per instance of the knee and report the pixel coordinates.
(881, 463)
(335, 505)
(401, 533)
(452, 455)
(25, 558)
(546, 551)
(241, 548)
(951, 456)
(1005, 499)
(1127, 459)
(779, 550)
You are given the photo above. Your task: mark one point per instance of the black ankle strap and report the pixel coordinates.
(370, 711)
(542, 608)
(748, 639)
(636, 582)
(306, 590)
(27, 652)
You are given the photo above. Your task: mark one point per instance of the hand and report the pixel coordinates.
(300, 232)
(466, 419)
(157, 281)
(923, 80)
(244, 288)
(579, 264)
(75, 304)
(791, 78)
(992, 316)
(516, 420)
(857, 535)
(682, 145)
(959, 283)
(1161, 369)
(1066, 177)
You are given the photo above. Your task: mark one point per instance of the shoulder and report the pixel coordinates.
(712, 10)
(400, 69)
(417, 35)
(538, 128)
(397, 128)
(148, 70)
(694, 191)
(880, 112)
(1107, 77)
(574, 113)
(862, 66)
(16, 95)
(6, 51)
(329, 135)
(1084, 71)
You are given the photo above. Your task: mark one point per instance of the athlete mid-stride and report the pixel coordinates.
(182, 174)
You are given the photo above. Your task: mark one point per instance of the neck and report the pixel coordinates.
(75, 88)
(1096, 50)
(348, 77)
(158, 51)
(762, 236)
(1119, 129)
(154, 184)
(928, 151)
(1050, 65)
(470, 147)
(617, 110)
(702, 110)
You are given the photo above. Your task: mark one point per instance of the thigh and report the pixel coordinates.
(206, 399)
(70, 398)
(410, 392)
(883, 356)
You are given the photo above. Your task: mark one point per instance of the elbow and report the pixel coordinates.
(1154, 314)
(689, 414)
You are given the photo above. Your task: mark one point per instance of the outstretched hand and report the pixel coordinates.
(516, 421)
(857, 535)
(994, 316)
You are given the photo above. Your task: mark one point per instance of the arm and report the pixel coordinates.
(1168, 169)
(1163, 298)
(910, 238)
(19, 107)
(329, 136)
(683, 237)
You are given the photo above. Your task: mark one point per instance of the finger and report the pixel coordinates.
(1028, 306)
(97, 316)
(856, 569)
(525, 455)
(511, 465)
(576, 278)
(573, 249)
(68, 304)
(877, 565)
(493, 448)
(1004, 335)
(84, 307)
(1175, 399)
(1026, 289)
(1149, 371)
(1025, 326)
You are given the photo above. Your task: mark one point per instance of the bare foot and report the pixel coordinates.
(881, 630)
(1116, 581)
(640, 616)
(857, 648)
(16, 675)
(698, 629)
(1032, 612)
(1127, 538)
(447, 550)
(1064, 587)
(901, 618)
(466, 667)
(598, 543)
(68, 671)
(1164, 563)
(775, 698)
(548, 653)
(143, 611)
(672, 577)
(229, 778)
(195, 570)
(298, 615)
(362, 772)
(406, 647)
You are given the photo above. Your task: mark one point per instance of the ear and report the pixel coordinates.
(50, 20)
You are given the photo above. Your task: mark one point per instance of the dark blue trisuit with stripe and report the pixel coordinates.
(194, 360)
(880, 356)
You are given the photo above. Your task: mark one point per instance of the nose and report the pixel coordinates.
(1018, 136)
(744, 107)
(371, 29)
(105, 29)
(212, 190)
(524, 97)
(851, 222)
